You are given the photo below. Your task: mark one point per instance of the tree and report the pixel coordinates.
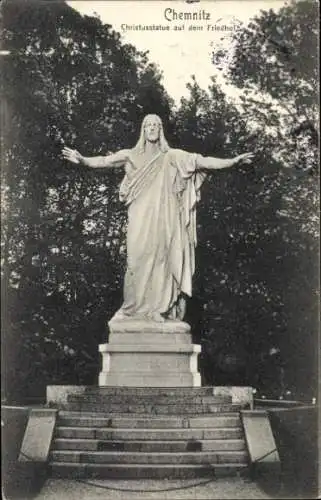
(68, 79)
(236, 220)
(269, 251)
(275, 63)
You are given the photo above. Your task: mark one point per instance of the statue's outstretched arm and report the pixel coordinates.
(114, 160)
(211, 163)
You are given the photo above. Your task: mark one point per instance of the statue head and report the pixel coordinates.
(152, 131)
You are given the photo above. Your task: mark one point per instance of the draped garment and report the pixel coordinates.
(161, 196)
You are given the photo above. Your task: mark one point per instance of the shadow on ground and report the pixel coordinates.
(22, 481)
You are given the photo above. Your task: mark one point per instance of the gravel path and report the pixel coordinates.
(231, 488)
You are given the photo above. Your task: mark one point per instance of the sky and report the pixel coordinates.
(178, 53)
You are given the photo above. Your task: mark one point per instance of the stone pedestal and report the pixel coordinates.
(142, 353)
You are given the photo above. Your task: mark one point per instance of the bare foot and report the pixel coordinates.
(156, 317)
(119, 316)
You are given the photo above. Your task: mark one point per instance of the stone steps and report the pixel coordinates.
(125, 457)
(152, 409)
(149, 434)
(143, 471)
(150, 399)
(79, 419)
(149, 446)
(129, 433)
(155, 392)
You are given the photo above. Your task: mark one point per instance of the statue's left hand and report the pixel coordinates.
(245, 158)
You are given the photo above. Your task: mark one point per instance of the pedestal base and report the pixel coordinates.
(149, 354)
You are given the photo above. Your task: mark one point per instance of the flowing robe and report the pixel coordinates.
(161, 196)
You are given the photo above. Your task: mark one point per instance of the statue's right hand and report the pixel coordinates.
(72, 155)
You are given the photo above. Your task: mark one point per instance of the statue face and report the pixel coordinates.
(151, 129)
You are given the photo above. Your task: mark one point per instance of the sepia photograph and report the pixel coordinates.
(160, 290)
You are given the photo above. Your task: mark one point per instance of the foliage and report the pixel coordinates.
(70, 80)
(268, 251)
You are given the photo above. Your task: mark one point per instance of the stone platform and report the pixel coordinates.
(63, 397)
(143, 353)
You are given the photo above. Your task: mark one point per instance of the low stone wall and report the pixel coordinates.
(19, 480)
(57, 395)
(295, 431)
(240, 395)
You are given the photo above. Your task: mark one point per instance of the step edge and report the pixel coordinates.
(99, 415)
(92, 440)
(150, 429)
(132, 466)
(152, 453)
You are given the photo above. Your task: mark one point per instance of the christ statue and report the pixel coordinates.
(161, 187)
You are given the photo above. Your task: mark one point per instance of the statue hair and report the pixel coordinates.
(163, 144)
